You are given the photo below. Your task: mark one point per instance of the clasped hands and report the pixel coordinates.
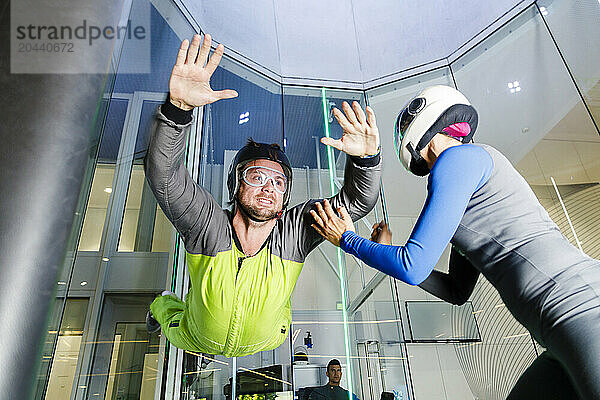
(332, 226)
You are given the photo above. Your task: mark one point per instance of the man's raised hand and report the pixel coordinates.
(361, 136)
(189, 85)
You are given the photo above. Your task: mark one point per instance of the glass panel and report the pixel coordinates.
(554, 144)
(574, 26)
(320, 331)
(466, 370)
(531, 111)
(126, 356)
(434, 321)
(404, 193)
(379, 357)
(102, 184)
(133, 363)
(133, 274)
(545, 129)
(145, 227)
(105, 106)
(256, 113)
(317, 322)
(210, 381)
(66, 353)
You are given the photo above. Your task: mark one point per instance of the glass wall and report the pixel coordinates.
(535, 100)
(534, 83)
(63, 343)
(121, 248)
(427, 354)
(534, 112)
(324, 324)
(227, 125)
(573, 26)
(319, 317)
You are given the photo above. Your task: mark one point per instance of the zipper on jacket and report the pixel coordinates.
(240, 261)
(233, 335)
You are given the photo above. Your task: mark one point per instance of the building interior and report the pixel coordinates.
(531, 69)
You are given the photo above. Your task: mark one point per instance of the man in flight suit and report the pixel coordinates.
(244, 263)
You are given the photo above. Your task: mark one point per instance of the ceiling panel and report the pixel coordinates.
(345, 41)
(247, 27)
(317, 40)
(398, 35)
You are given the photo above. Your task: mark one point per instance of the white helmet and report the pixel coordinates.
(437, 109)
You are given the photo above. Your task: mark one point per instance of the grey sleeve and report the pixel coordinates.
(189, 207)
(359, 194)
(457, 285)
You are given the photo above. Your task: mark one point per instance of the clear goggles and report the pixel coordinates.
(259, 176)
(405, 118)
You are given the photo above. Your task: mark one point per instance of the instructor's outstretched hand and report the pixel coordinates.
(328, 224)
(189, 85)
(361, 136)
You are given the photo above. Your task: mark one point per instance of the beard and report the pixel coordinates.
(256, 213)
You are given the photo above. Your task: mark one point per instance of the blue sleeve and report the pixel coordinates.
(456, 175)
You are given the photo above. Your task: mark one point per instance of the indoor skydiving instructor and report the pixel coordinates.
(243, 265)
(478, 202)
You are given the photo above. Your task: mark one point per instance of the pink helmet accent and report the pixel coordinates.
(458, 130)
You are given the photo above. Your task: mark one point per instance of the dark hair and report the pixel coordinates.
(387, 396)
(255, 144)
(335, 361)
(251, 142)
